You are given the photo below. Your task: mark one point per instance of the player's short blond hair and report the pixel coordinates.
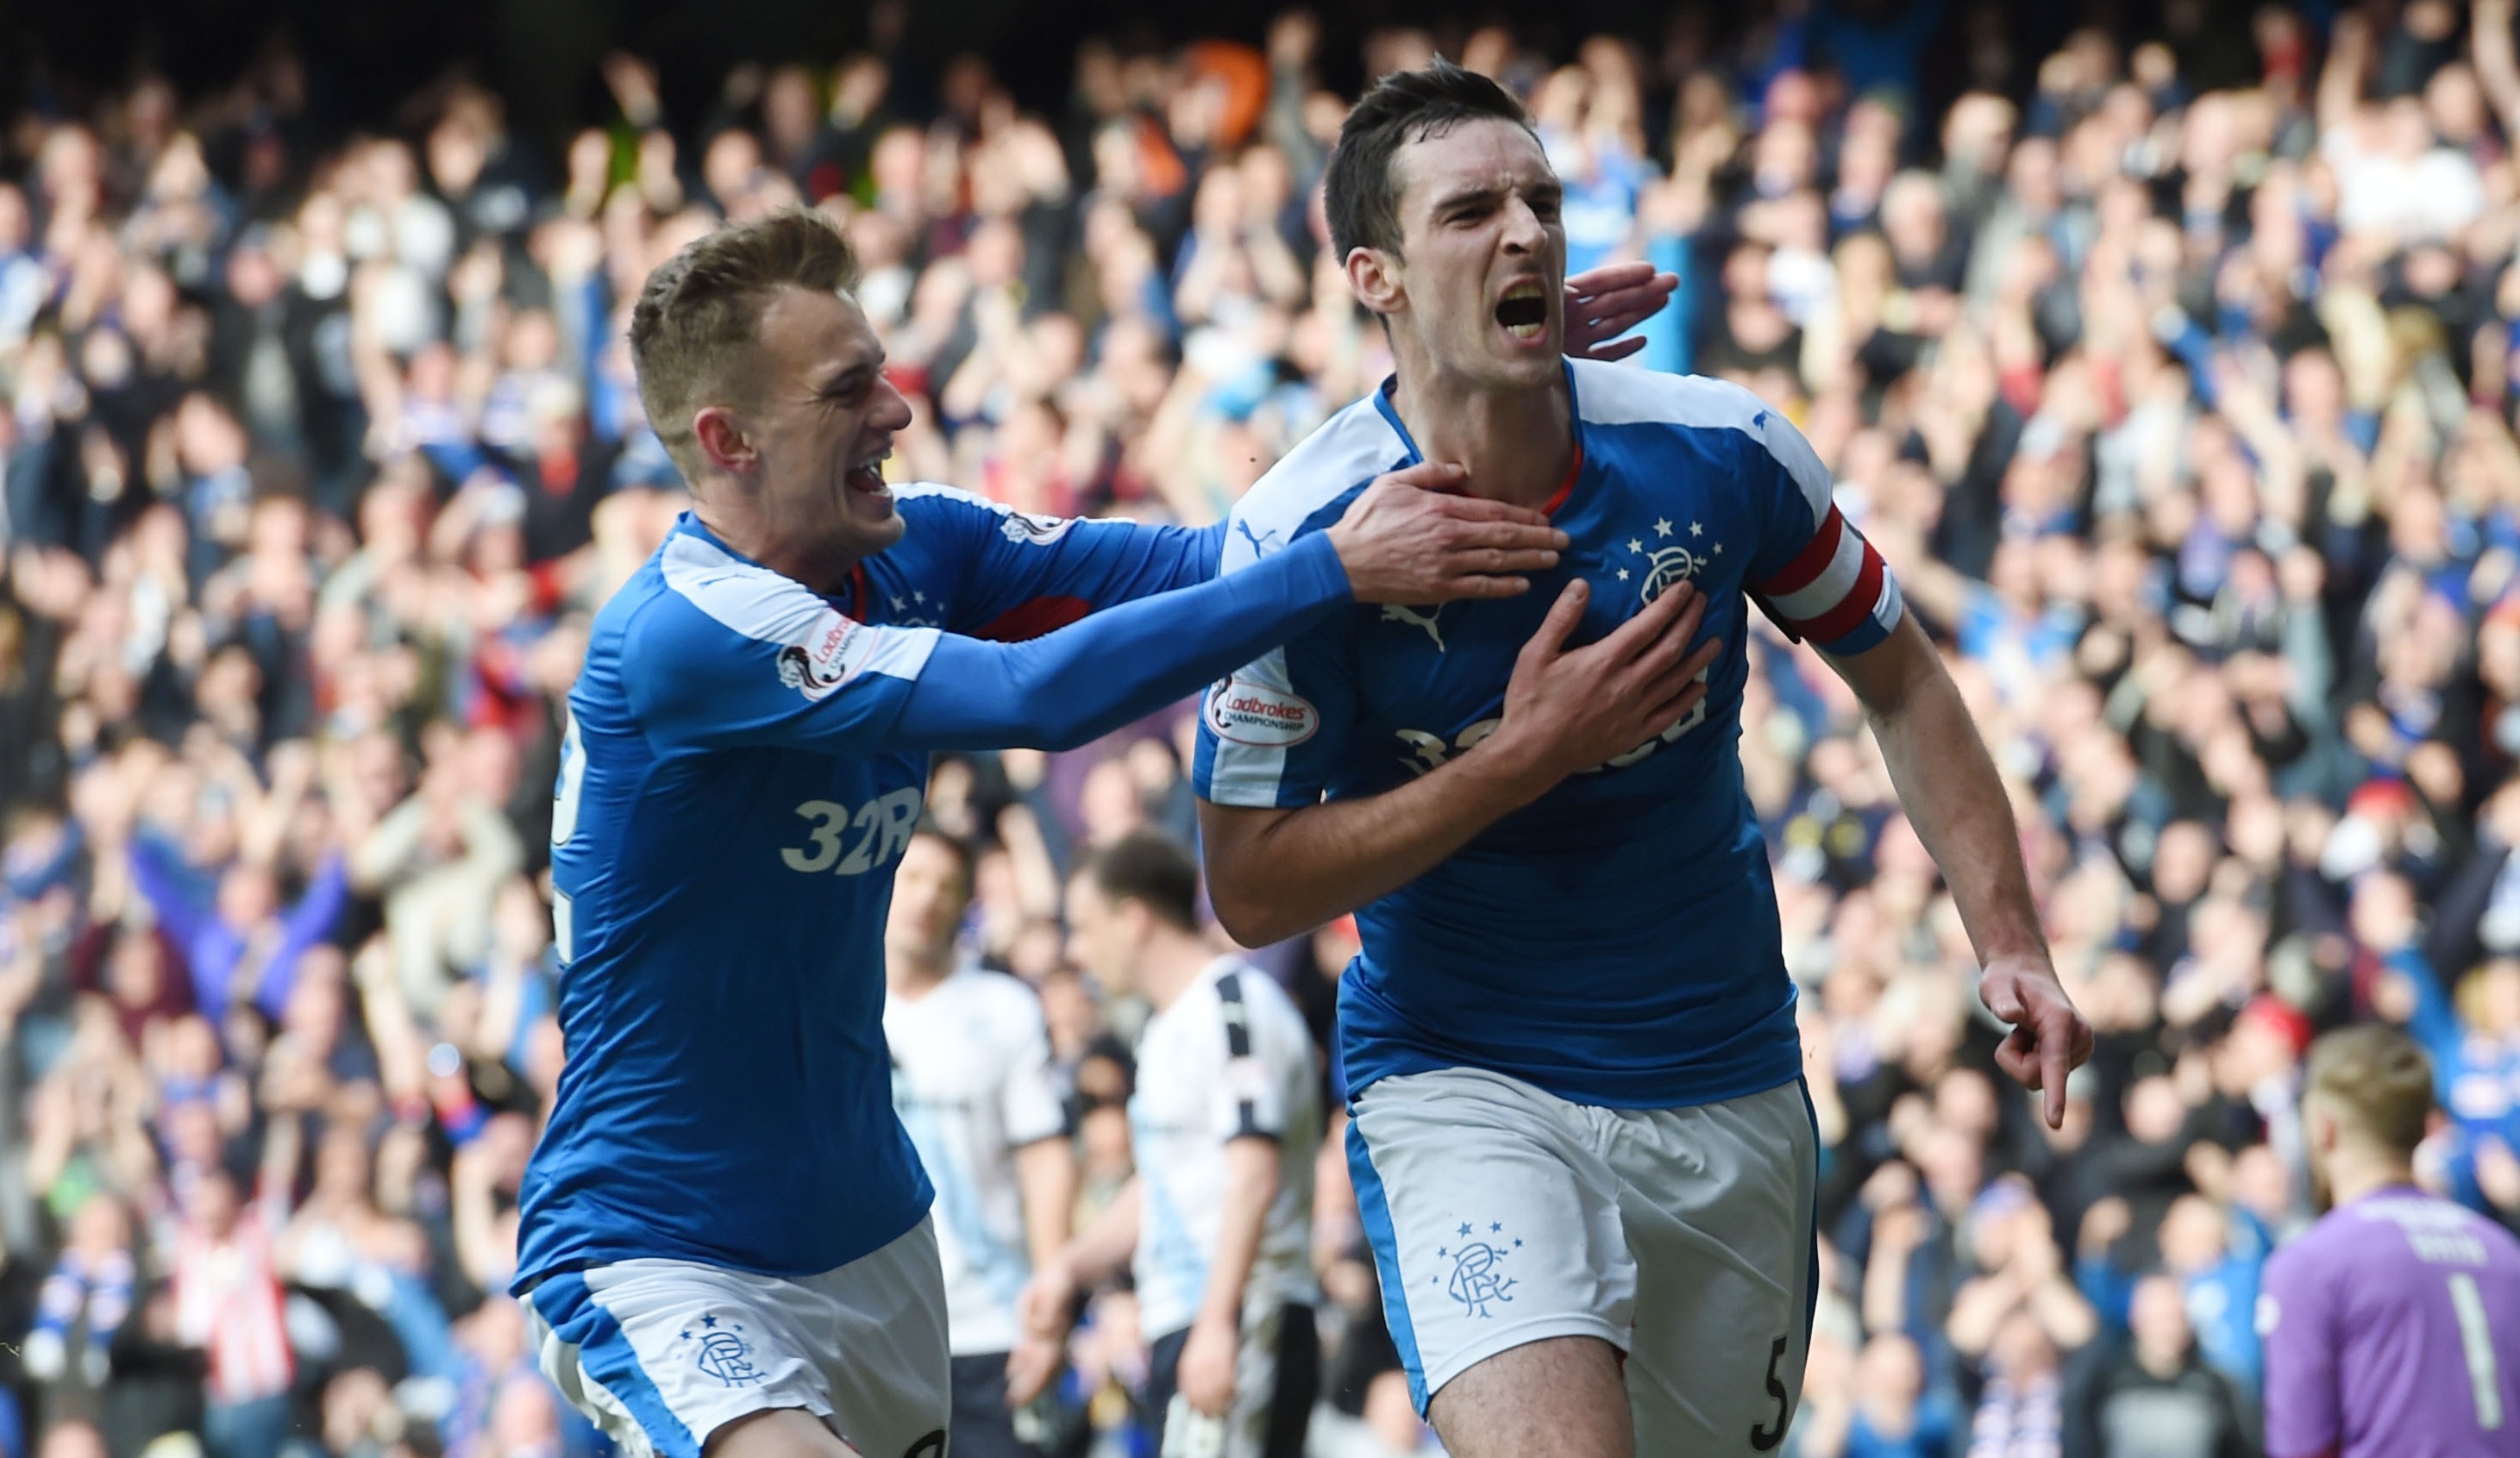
(693, 330)
(2378, 1081)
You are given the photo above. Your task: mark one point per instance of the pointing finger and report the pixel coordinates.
(2056, 1045)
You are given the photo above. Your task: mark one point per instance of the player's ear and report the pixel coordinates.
(722, 439)
(1374, 276)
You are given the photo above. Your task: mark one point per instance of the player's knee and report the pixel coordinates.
(1561, 1398)
(780, 1433)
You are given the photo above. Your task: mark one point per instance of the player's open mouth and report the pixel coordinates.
(1523, 311)
(867, 475)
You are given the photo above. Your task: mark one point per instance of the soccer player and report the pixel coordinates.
(1223, 1121)
(2392, 1325)
(723, 1237)
(972, 1083)
(1579, 1143)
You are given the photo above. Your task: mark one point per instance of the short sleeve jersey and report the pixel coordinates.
(1231, 1058)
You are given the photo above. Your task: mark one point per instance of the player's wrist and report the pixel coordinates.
(2027, 959)
(1514, 768)
(1346, 544)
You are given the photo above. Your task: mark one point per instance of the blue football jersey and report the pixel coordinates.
(1616, 942)
(746, 760)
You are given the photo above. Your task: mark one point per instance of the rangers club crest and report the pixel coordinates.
(1674, 558)
(722, 1352)
(1477, 1278)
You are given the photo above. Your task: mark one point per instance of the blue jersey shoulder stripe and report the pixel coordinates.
(750, 599)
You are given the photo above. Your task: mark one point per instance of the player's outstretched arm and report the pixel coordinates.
(1274, 873)
(1949, 787)
(1021, 574)
(736, 657)
(1401, 544)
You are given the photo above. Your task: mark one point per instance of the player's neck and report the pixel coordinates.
(912, 975)
(1173, 961)
(2353, 1172)
(732, 517)
(1516, 444)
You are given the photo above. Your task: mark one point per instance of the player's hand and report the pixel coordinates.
(1048, 1302)
(1570, 710)
(1031, 1366)
(1406, 543)
(1207, 1373)
(2049, 1038)
(1605, 302)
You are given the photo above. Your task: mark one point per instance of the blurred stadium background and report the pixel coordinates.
(2165, 349)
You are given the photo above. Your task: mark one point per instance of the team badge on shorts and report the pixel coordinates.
(1478, 1277)
(722, 1352)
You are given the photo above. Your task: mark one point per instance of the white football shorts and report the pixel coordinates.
(1500, 1214)
(662, 1353)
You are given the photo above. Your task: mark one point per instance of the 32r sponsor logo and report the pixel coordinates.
(1432, 751)
(851, 843)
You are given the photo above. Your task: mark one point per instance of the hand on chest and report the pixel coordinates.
(1451, 662)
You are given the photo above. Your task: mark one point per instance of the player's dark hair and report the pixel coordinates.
(700, 310)
(2378, 1079)
(1152, 869)
(966, 855)
(1360, 194)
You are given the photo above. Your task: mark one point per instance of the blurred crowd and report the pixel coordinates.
(2172, 371)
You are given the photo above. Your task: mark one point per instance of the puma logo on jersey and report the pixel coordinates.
(1392, 612)
(1262, 543)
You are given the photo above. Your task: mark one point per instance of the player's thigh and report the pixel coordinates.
(1561, 1398)
(1493, 1220)
(780, 1433)
(664, 1355)
(1717, 1201)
